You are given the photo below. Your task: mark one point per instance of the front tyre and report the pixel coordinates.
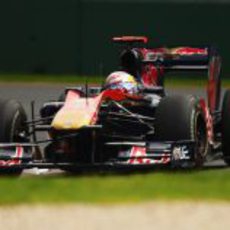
(225, 127)
(181, 118)
(12, 127)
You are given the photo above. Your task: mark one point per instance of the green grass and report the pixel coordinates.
(41, 78)
(209, 185)
(73, 79)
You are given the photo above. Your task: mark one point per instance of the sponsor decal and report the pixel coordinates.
(189, 51)
(142, 39)
(18, 154)
(138, 156)
(180, 153)
(137, 152)
(154, 57)
(77, 112)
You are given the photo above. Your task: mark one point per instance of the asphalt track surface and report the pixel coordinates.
(40, 93)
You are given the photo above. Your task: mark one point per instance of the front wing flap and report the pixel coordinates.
(130, 155)
(155, 153)
(14, 154)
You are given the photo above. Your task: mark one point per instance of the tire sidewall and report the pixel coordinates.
(178, 116)
(225, 126)
(12, 118)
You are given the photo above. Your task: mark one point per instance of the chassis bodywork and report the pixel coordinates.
(101, 128)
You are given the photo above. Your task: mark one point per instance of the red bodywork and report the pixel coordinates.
(148, 66)
(131, 39)
(158, 61)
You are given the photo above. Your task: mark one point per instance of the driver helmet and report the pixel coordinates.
(121, 80)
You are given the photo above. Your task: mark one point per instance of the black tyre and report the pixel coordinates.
(12, 126)
(225, 127)
(181, 118)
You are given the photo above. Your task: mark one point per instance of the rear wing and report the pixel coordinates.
(181, 58)
(130, 39)
(187, 59)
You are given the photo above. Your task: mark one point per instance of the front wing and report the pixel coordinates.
(130, 155)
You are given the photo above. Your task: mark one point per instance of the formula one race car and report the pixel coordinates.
(129, 122)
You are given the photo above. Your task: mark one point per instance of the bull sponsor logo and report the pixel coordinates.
(189, 51)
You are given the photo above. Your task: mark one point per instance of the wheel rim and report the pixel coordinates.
(17, 129)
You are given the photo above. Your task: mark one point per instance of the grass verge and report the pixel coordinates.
(45, 78)
(59, 79)
(209, 185)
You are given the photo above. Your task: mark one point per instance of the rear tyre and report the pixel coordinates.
(225, 127)
(181, 118)
(12, 127)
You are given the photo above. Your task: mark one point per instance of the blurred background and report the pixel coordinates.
(74, 36)
(69, 38)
